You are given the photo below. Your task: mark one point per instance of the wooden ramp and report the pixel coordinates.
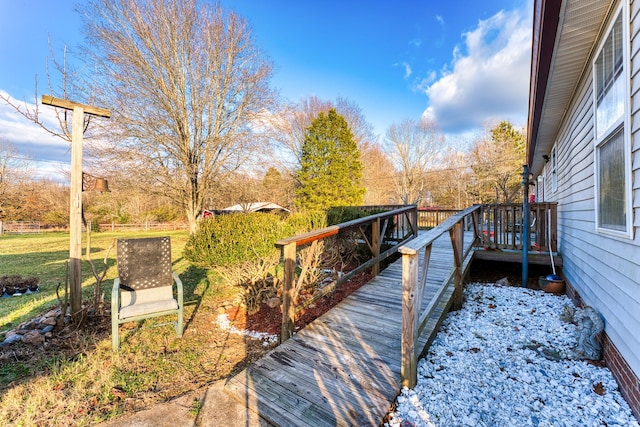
(343, 369)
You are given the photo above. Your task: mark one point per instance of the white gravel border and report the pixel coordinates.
(504, 360)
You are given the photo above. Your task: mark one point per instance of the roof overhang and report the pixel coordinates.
(564, 34)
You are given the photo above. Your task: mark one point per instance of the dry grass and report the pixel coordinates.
(76, 379)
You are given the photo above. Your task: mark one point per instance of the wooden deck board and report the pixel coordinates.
(343, 368)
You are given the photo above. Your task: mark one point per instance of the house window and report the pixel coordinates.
(609, 85)
(611, 132)
(611, 177)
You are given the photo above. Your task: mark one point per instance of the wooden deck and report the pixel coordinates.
(343, 369)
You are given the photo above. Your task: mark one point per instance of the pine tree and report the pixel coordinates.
(331, 171)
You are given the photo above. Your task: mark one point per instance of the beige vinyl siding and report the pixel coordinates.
(605, 270)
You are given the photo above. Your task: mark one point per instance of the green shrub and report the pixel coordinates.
(301, 222)
(231, 240)
(340, 214)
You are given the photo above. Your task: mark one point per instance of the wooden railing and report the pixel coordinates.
(414, 281)
(500, 226)
(19, 227)
(144, 226)
(431, 217)
(392, 228)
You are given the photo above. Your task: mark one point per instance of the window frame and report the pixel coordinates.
(601, 137)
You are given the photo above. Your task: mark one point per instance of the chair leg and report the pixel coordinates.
(179, 325)
(115, 338)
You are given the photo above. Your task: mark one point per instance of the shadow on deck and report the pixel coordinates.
(345, 367)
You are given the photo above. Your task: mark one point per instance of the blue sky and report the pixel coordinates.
(462, 63)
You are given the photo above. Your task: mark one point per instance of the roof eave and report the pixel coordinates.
(545, 27)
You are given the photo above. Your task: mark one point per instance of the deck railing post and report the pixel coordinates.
(375, 246)
(414, 221)
(410, 312)
(475, 217)
(288, 287)
(456, 234)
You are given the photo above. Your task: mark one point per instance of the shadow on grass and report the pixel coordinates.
(51, 270)
(191, 279)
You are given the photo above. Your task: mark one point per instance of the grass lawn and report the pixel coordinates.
(45, 255)
(75, 378)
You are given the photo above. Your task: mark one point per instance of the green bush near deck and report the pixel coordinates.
(231, 240)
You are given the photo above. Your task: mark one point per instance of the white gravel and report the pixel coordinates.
(504, 360)
(223, 323)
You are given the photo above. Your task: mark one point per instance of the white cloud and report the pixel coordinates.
(49, 153)
(488, 79)
(407, 68)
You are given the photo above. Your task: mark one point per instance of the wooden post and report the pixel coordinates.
(288, 309)
(475, 217)
(75, 212)
(75, 199)
(410, 312)
(414, 221)
(375, 246)
(456, 234)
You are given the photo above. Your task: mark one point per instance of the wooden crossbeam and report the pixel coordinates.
(69, 105)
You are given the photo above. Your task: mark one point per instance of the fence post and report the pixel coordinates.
(288, 309)
(456, 234)
(410, 311)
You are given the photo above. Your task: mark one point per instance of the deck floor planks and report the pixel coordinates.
(343, 368)
(385, 346)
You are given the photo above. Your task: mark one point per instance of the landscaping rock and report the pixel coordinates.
(10, 339)
(33, 338)
(34, 331)
(273, 302)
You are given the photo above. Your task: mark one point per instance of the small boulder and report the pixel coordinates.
(273, 302)
(33, 338)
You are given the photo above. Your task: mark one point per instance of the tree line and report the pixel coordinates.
(197, 126)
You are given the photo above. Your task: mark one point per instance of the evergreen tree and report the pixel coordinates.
(330, 171)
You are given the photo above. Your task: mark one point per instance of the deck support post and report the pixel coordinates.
(288, 288)
(410, 312)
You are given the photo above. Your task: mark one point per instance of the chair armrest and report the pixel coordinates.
(176, 279)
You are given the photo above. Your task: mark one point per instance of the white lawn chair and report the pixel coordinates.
(144, 286)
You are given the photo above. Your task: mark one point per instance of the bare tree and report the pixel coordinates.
(185, 82)
(452, 182)
(377, 175)
(14, 174)
(61, 81)
(289, 126)
(496, 159)
(416, 148)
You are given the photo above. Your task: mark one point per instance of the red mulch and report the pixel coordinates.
(269, 319)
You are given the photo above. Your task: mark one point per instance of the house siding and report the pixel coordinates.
(604, 270)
